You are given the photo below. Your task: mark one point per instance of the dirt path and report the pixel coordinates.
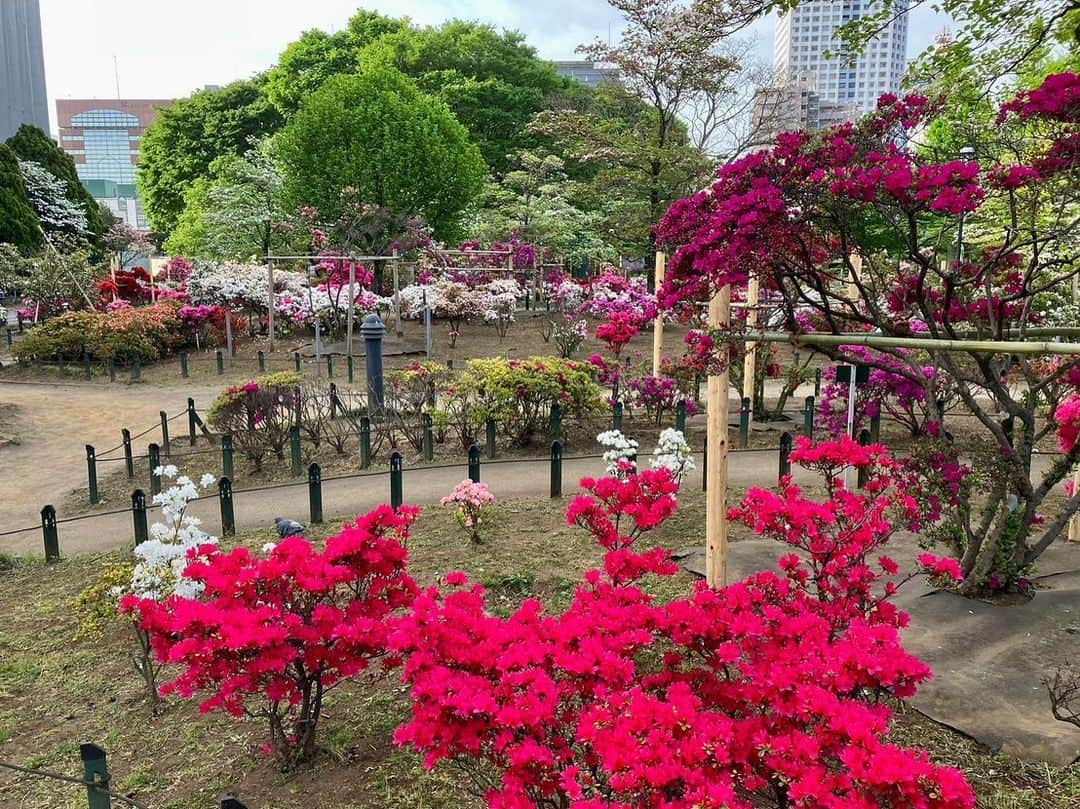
(53, 422)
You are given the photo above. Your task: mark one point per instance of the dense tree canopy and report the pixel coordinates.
(187, 137)
(33, 145)
(18, 222)
(377, 134)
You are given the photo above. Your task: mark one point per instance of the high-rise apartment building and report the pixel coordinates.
(805, 34)
(104, 137)
(22, 68)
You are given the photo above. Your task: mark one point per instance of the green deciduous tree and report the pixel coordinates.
(378, 134)
(532, 201)
(236, 213)
(18, 222)
(191, 134)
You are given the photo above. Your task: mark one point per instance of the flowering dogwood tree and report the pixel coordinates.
(851, 228)
(270, 635)
(765, 693)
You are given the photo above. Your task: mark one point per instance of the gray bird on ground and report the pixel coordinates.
(288, 528)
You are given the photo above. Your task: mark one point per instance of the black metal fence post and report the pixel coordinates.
(786, 442)
(219, 360)
(705, 465)
(96, 776)
(817, 382)
(262, 362)
(227, 456)
(808, 417)
(50, 534)
(88, 370)
(165, 446)
(191, 421)
(294, 450)
(864, 471)
(333, 401)
(329, 366)
(154, 454)
(397, 483)
(350, 368)
(474, 463)
(138, 516)
(225, 498)
(555, 422)
(680, 416)
(489, 429)
(91, 475)
(129, 462)
(314, 479)
(365, 442)
(616, 416)
(10, 339)
(136, 368)
(296, 361)
(875, 427)
(183, 364)
(231, 802)
(428, 439)
(744, 423)
(110, 367)
(556, 469)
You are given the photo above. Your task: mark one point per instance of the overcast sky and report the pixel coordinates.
(168, 48)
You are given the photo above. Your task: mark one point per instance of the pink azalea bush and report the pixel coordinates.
(1067, 417)
(763, 693)
(471, 502)
(271, 635)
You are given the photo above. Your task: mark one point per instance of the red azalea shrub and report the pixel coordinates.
(270, 636)
(763, 693)
(618, 330)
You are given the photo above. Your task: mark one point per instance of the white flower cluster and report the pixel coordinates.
(673, 453)
(161, 560)
(568, 294)
(620, 453)
(497, 300)
(414, 297)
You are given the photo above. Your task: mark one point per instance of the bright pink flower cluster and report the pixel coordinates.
(1058, 98)
(1067, 417)
(270, 635)
(763, 693)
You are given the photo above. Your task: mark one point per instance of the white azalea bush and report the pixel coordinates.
(155, 571)
(674, 454)
(620, 453)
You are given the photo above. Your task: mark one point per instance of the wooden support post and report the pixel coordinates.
(397, 297)
(351, 315)
(1074, 523)
(270, 302)
(658, 323)
(716, 464)
(753, 294)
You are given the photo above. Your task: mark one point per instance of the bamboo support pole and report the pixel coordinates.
(658, 323)
(924, 343)
(716, 528)
(753, 293)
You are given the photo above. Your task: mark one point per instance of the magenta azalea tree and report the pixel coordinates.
(859, 234)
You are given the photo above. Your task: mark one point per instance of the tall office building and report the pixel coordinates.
(804, 34)
(22, 68)
(104, 138)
